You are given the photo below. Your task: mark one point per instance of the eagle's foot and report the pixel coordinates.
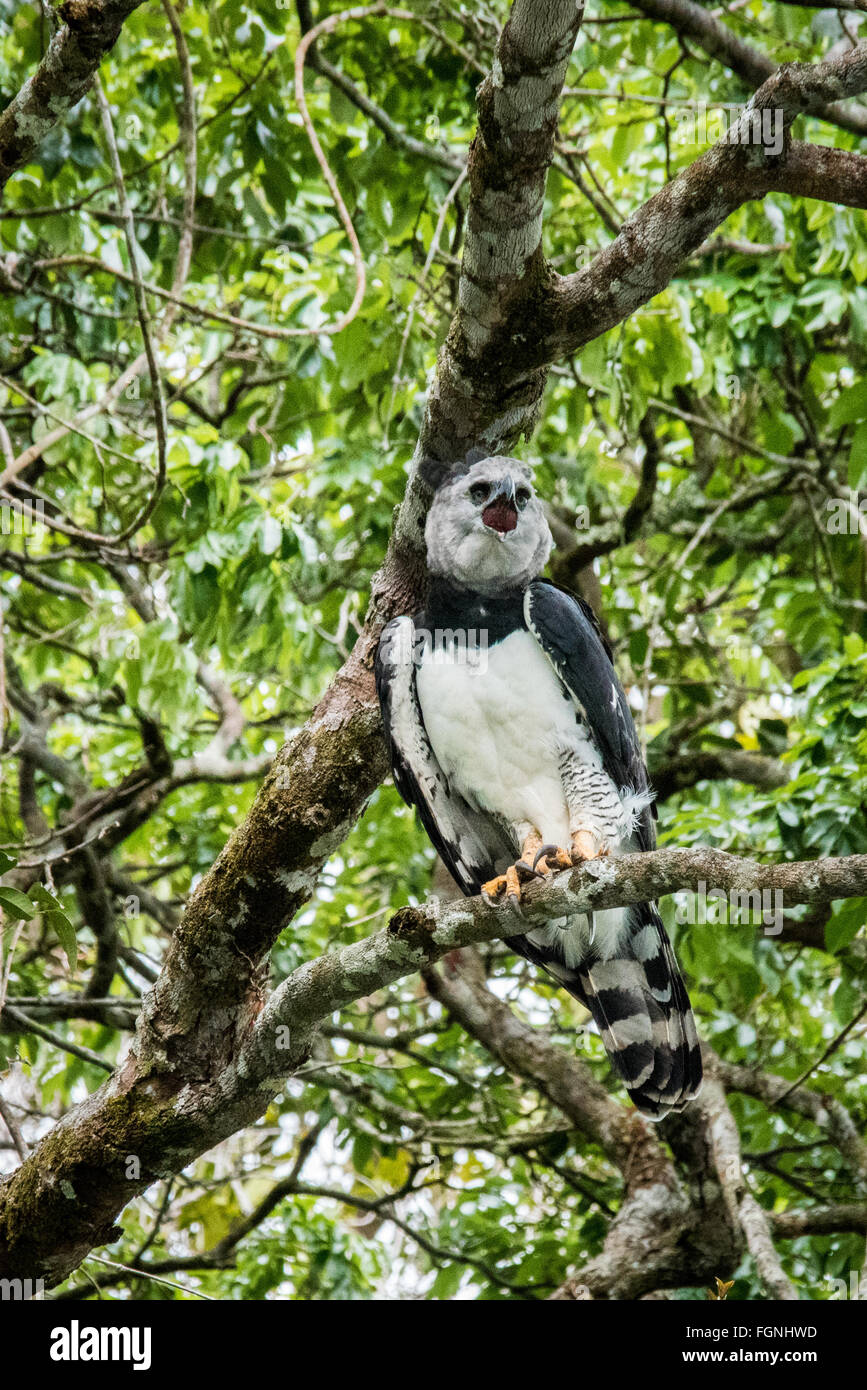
(505, 887)
(587, 844)
(508, 885)
(551, 857)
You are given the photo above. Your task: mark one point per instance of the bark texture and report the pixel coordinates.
(172, 1099)
(210, 1048)
(90, 30)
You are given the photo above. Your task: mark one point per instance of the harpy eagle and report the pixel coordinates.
(509, 731)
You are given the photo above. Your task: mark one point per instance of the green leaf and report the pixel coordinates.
(16, 904)
(65, 932)
(447, 1282)
(849, 406)
(55, 917)
(845, 924)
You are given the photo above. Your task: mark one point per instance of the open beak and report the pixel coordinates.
(501, 513)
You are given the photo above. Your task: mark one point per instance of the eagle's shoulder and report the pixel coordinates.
(553, 607)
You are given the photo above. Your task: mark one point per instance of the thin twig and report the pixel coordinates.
(12, 1125)
(831, 1048)
(432, 250)
(144, 319)
(29, 1025)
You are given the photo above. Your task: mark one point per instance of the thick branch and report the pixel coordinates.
(649, 248)
(478, 398)
(171, 1100)
(818, 171)
(419, 936)
(63, 77)
(820, 1221)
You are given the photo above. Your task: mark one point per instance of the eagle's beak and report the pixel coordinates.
(501, 513)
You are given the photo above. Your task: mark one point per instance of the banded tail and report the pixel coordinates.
(640, 1005)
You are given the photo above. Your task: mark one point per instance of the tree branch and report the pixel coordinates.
(649, 248)
(170, 1101)
(742, 1205)
(820, 1221)
(748, 62)
(818, 171)
(416, 937)
(826, 1112)
(63, 77)
(684, 770)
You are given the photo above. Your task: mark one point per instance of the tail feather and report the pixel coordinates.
(639, 1003)
(645, 977)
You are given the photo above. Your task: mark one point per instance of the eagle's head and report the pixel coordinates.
(486, 529)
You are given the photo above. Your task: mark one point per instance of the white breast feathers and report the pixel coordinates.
(499, 729)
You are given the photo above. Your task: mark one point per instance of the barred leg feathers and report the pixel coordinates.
(639, 1003)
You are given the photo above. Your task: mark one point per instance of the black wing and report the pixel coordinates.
(473, 846)
(567, 631)
(637, 998)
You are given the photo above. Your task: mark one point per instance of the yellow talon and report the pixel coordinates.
(508, 883)
(551, 857)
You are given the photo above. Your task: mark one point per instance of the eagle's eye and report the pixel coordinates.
(522, 497)
(479, 493)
